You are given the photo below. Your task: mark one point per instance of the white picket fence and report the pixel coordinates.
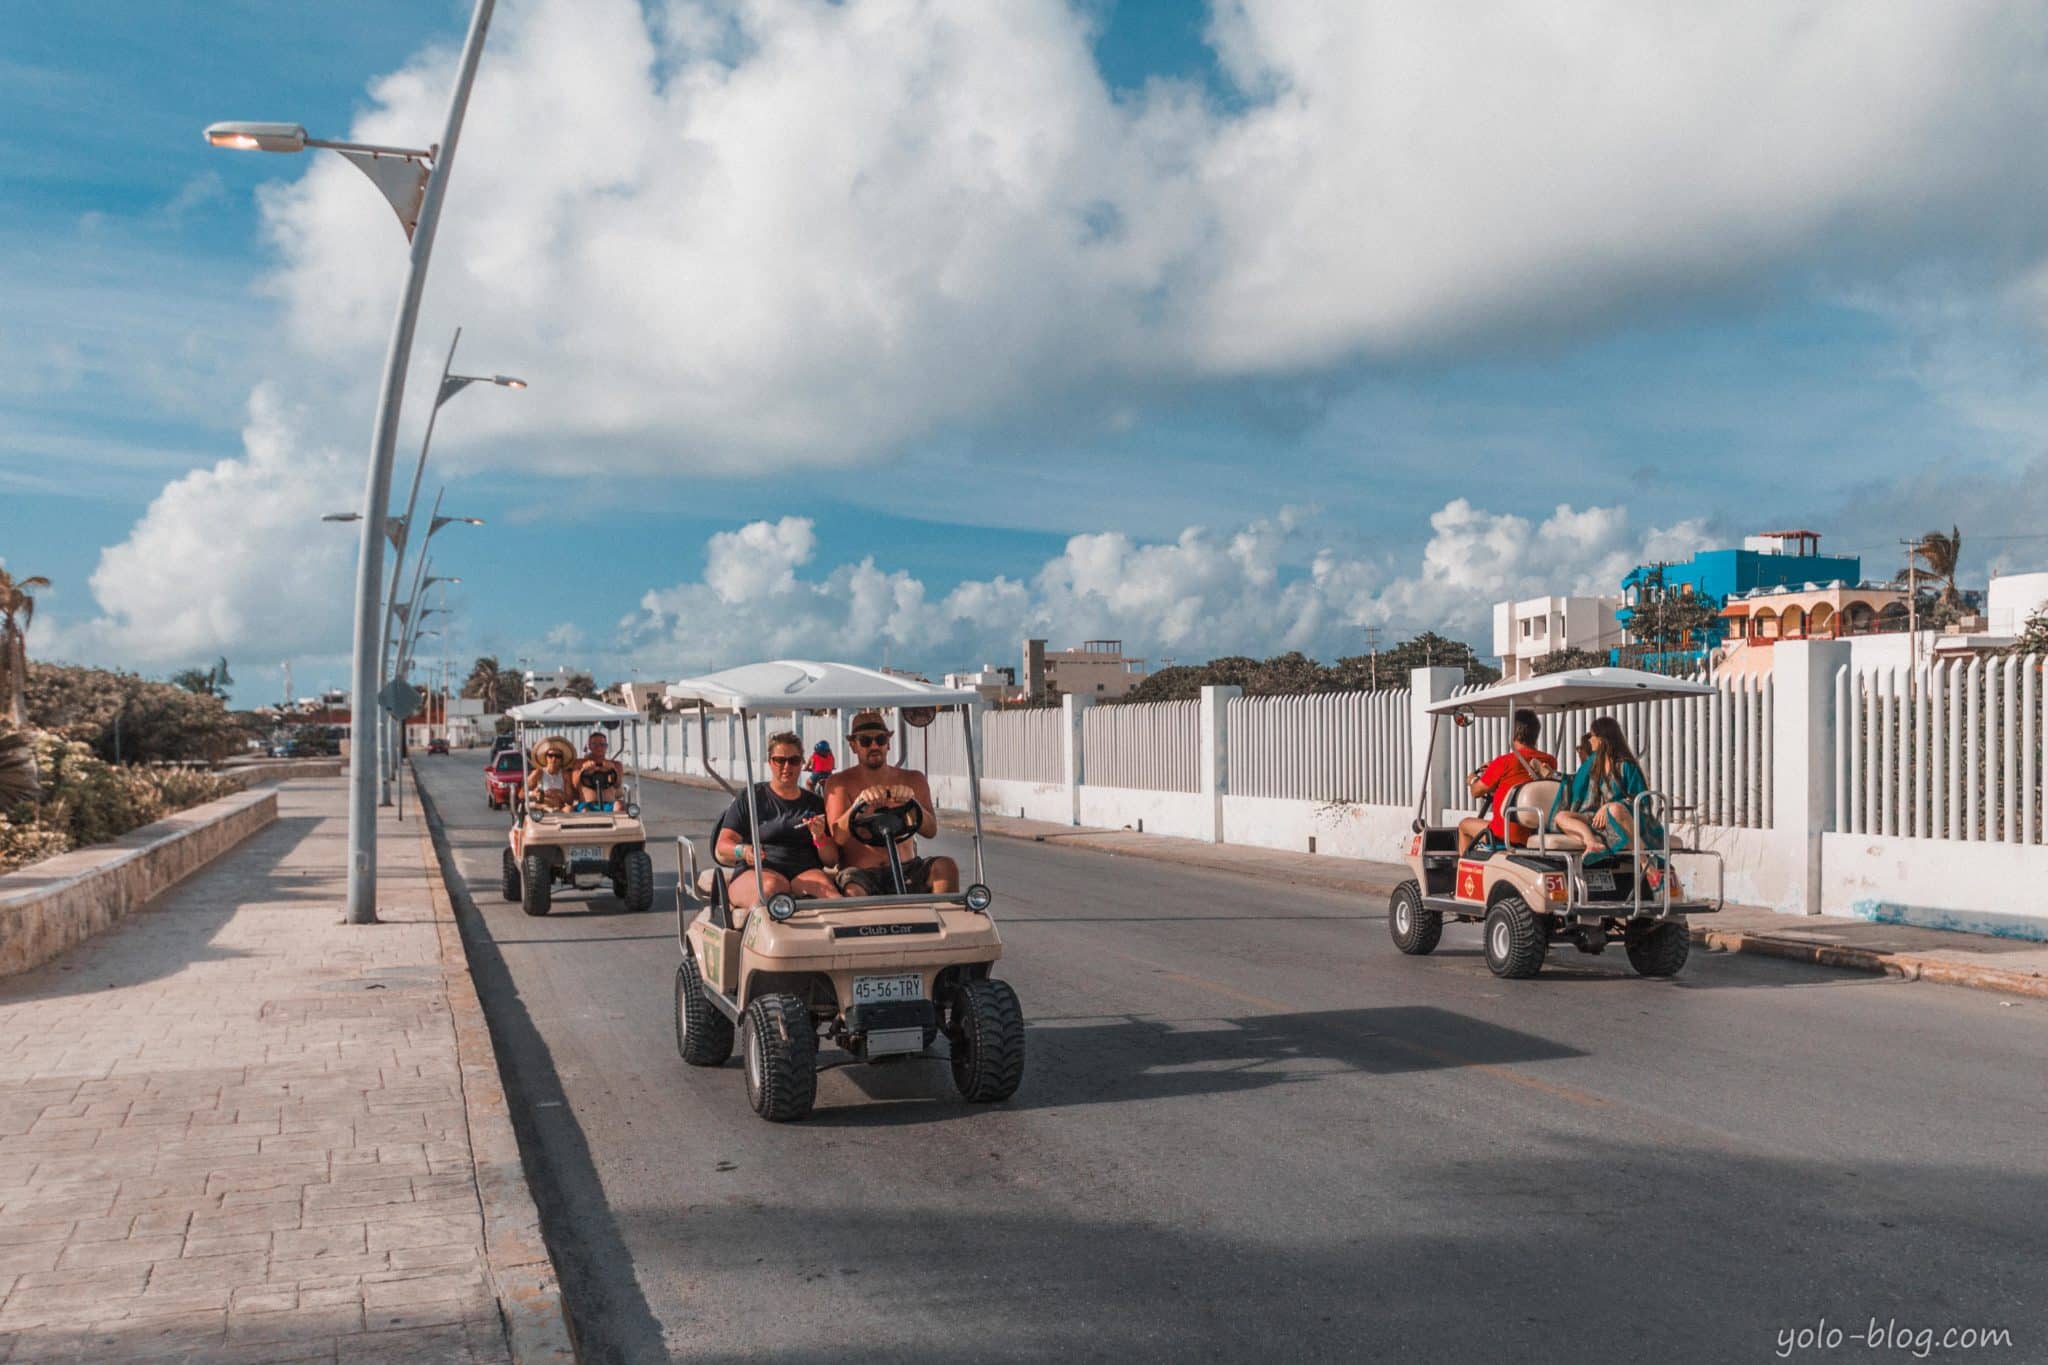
(1023, 746)
(1953, 752)
(1155, 746)
(1330, 746)
(1710, 755)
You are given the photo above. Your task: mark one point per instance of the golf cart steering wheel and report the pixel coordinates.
(884, 826)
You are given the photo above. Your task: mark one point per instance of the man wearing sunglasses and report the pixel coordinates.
(864, 871)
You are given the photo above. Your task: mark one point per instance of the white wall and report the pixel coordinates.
(1342, 829)
(1982, 888)
(1184, 815)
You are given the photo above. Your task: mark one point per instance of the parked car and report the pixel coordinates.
(504, 775)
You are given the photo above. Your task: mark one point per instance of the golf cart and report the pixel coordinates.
(882, 977)
(584, 846)
(1551, 888)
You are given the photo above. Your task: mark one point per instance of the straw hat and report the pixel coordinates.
(557, 743)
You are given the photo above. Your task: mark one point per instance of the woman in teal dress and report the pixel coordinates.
(1597, 804)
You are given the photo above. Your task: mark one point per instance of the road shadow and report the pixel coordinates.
(606, 1308)
(1134, 1058)
(1473, 1262)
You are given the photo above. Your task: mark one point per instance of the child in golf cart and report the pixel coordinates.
(1522, 763)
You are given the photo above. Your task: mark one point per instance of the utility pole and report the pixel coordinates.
(1372, 647)
(1912, 606)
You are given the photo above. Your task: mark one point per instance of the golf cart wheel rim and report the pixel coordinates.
(1401, 917)
(1497, 939)
(754, 1060)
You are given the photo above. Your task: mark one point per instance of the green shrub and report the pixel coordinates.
(86, 800)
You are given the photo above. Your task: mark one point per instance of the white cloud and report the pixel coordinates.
(1200, 595)
(784, 231)
(232, 556)
(761, 234)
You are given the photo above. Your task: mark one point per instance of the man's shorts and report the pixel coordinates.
(876, 881)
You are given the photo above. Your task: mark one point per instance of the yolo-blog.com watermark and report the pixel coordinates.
(1889, 1335)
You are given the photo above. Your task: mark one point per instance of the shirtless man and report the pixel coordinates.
(864, 870)
(595, 760)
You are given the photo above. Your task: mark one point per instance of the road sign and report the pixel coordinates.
(399, 697)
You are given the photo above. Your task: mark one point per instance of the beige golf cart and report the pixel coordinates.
(883, 977)
(1551, 888)
(586, 846)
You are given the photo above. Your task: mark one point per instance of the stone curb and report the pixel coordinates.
(529, 1291)
(1905, 966)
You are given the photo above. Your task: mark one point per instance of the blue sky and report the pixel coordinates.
(1857, 350)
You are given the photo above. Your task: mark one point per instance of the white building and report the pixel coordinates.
(1526, 631)
(994, 684)
(1099, 668)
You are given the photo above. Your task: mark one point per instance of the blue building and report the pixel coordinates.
(1774, 559)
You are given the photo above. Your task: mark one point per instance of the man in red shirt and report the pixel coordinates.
(1524, 762)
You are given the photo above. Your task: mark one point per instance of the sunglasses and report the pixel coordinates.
(784, 760)
(870, 741)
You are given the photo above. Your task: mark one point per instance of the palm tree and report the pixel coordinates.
(1940, 556)
(17, 609)
(497, 687)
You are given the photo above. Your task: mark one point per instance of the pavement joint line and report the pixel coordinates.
(523, 1274)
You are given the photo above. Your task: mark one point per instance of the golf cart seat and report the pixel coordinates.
(1529, 804)
(707, 882)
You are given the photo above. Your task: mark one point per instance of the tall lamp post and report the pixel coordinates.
(401, 526)
(415, 183)
(435, 521)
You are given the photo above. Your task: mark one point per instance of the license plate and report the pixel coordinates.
(586, 853)
(878, 990)
(1600, 879)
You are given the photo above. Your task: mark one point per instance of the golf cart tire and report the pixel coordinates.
(638, 879)
(508, 876)
(537, 877)
(988, 1041)
(1416, 931)
(1660, 950)
(1515, 941)
(703, 1035)
(779, 1045)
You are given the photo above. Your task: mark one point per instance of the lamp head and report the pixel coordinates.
(257, 137)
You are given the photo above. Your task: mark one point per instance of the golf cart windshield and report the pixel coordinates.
(795, 687)
(575, 720)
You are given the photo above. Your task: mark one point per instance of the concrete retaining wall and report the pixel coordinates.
(62, 901)
(1971, 885)
(284, 769)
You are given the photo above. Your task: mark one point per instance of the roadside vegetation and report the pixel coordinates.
(56, 794)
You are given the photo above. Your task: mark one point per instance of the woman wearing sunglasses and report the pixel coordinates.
(793, 848)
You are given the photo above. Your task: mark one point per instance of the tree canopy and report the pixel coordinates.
(1295, 672)
(120, 715)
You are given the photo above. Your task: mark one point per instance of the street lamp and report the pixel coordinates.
(451, 384)
(415, 184)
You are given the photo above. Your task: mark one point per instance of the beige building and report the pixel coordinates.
(1099, 668)
(1526, 631)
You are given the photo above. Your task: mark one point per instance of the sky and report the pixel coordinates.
(898, 330)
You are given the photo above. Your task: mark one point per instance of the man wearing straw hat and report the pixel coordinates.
(864, 871)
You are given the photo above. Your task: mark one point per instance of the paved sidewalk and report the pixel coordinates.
(232, 1128)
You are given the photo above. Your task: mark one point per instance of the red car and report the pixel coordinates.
(503, 777)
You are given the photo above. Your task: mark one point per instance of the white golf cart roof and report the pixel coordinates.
(569, 711)
(1571, 690)
(805, 685)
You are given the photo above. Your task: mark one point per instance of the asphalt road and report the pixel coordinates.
(1250, 1129)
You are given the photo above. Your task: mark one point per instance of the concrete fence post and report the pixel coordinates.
(1071, 757)
(1215, 755)
(1433, 774)
(1803, 740)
